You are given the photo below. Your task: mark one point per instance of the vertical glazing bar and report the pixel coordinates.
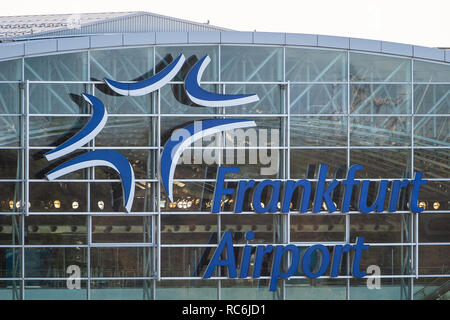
(158, 275)
(92, 143)
(347, 215)
(157, 135)
(24, 96)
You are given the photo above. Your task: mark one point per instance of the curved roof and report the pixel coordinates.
(103, 30)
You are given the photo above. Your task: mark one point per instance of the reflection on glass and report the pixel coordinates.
(10, 164)
(318, 131)
(380, 99)
(53, 131)
(271, 99)
(11, 263)
(380, 131)
(122, 64)
(10, 131)
(377, 68)
(10, 197)
(239, 63)
(434, 163)
(253, 289)
(311, 65)
(432, 131)
(318, 98)
(390, 289)
(58, 98)
(431, 72)
(306, 163)
(267, 228)
(11, 70)
(10, 97)
(432, 99)
(59, 67)
(127, 132)
(10, 230)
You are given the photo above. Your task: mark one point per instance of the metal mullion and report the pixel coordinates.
(158, 275)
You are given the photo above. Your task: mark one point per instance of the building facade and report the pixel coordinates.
(322, 100)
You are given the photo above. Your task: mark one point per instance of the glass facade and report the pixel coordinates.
(318, 106)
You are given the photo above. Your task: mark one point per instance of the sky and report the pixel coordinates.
(424, 22)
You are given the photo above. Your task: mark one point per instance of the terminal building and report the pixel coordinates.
(322, 100)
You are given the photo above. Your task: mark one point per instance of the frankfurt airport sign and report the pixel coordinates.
(281, 191)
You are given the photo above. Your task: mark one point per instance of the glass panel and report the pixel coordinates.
(376, 68)
(126, 131)
(434, 259)
(187, 289)
(313, 228)
(116, 104)
(10, 97)
(10, 196)
(121, 289)
(10, 290)
(10, 129)
(380, 131)
(189, 229)
(54, 290)
(58, 98)
(311, 65)
(316, 289)
(267, 228)
(318, 98)
(54, 262)
(10, 164)
(380, 99)
(432, 99)
(432, 131)
(434, 163)
(380, 228)
(56, 229)
(430, 288)
(382, 163)
(10, 230)
(108, 197)
(121, 229)
(433, 227)
(435, 191)
(58, 197)
(198, 163)
(186, 262)
(165, 55)
(318, 131)
(174, 100)
(11, 70)
(431, 72)
(239, 63)
(169, 124)
(142, 162)
(390, 289)
(10, 263)
(122, 64)
(39, 165)
(52, 131)
(271, 99)
(391, 260)
(256, 163)
(305, 163)
(200, 195)
(59, 67)
(121, 262)
(247, 289)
